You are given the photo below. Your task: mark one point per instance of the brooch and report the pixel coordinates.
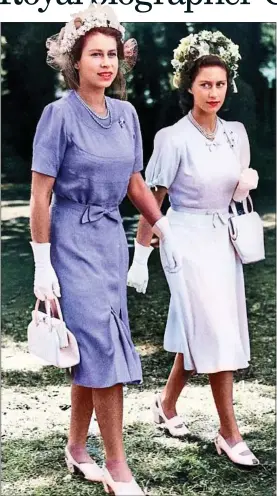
(230, 139)
(121, 121)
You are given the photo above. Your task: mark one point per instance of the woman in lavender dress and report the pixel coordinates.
(202, 162)
(88, 150)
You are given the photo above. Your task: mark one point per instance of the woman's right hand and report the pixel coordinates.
(138, 272)
(46, 284)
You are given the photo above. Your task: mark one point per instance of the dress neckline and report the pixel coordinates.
(86, 118)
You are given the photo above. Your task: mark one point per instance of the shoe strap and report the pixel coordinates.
(240, 448)
(176, 422)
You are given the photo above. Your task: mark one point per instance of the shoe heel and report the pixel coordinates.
(157, 418)
(106, 488)
(70, 466)
(218, 449)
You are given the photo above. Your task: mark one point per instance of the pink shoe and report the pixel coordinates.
(90, 471)
(235, 453)
(121, 488)
(176, 426)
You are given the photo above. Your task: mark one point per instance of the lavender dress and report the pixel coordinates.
(89, 251)
(207, 318)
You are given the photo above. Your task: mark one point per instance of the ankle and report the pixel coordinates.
(119, 470)
(76, 446)
(168, 406)
(231, 436)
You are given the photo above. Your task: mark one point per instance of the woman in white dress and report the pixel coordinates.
(202, 162)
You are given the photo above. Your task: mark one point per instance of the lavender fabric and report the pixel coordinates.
(89, 251)
(207, 318)
(191, 167)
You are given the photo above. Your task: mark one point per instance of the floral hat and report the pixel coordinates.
(194, 46)
(60, 45)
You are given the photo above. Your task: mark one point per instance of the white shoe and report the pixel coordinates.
(91, 471)
(176, 426)
(236, 452)
(121, 488)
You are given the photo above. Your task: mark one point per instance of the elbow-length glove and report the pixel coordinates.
(46, 284)
(248, 180)
(138, 273)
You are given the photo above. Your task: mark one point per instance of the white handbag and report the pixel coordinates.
(49, 338)
(246, 232)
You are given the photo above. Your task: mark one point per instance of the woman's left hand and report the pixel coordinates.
(248, 180)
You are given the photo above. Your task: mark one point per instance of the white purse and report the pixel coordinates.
(49, 338)
(246, 232)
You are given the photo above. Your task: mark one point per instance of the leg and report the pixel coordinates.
(81, 411)
(108, 404)
(222, 388)
(175, 383)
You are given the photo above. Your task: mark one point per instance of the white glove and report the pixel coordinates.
(138, 272)
(46, 284)
(171, 259)
(248, 180)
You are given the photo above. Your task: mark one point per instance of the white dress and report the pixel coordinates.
(207, 319)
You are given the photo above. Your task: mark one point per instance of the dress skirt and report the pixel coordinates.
(207, 319)
(89, 253)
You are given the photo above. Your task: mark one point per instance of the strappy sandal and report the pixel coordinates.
(240, 453)
(176, 425)
(90, 471)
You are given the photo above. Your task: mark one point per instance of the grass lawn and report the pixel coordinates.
(36, 400)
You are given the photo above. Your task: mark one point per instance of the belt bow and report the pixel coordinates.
(94, 213)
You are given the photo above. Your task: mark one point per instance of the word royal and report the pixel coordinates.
(141, 6)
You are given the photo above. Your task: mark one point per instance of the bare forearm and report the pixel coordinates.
(145, 202)
(40, 219)
(41, 190)
(148, 205)
(144, 232)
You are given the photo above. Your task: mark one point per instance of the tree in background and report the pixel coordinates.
(4, 89)
(31, 86)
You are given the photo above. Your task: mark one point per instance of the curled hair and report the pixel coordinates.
(188, 76)
(71, 74)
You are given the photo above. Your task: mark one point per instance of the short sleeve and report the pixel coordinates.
(164, 162)
(50, 141)
(138, 164)
(243, 145)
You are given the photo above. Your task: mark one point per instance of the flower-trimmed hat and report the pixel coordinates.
(194, 46)
(95, 16)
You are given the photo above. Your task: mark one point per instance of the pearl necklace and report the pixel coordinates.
(97, 118)
(209, 135)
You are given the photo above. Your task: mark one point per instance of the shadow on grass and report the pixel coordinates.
(47, 376)
(189, 467)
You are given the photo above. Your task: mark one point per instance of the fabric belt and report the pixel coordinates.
(221, 214)
(89, 212)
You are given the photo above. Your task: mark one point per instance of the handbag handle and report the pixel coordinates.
(47, 305)
(246, 209)
(233, 203)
